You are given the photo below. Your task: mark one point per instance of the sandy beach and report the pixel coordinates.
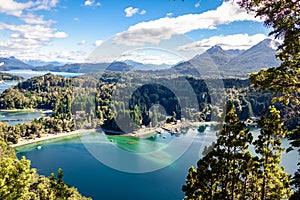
(45, 137)
(143, 132)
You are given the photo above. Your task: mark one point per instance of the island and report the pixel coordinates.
(9, 77)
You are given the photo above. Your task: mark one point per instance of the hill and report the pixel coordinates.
(12, 63)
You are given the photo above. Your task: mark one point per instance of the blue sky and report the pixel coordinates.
(103, 30)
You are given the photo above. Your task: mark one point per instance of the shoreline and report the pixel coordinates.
(48, 137)
(143, 132)
(44, 111)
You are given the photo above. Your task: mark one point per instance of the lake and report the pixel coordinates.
(114, 167)
(30, 73)
(19, 116)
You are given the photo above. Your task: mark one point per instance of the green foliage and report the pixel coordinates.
(15, 178)
(283, 17)
(275, 182)
(19, 181)
(230, 171)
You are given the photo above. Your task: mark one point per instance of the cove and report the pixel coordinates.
(97, 178)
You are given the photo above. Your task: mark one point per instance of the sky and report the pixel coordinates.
(156, 31)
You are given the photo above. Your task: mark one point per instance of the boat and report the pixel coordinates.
(39, 147)
(159, 131)
(201, 128)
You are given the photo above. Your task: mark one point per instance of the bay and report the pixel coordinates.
(112, 167)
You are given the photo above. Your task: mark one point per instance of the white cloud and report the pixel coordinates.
(98, 43)
(145, 56)
(130, 11)
(88, 3)
(143, 12)
(169, 14)
(237, 41)
(27, 38)
(1, 64)
(60, 34)
(92, 3)
(45, 4)
(164, 28)
(24, 11)
(30, 18)
(76, 19)
(11, 7)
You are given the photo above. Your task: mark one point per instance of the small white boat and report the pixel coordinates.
(39, 147)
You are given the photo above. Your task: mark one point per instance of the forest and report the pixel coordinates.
(90, 102)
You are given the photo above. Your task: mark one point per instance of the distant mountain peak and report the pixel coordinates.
(214, 49)
(233, 62)
(13, 63)
(273, 44)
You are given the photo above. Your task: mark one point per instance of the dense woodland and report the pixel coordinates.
(91, 102)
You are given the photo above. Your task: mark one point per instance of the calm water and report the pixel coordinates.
(29, 73)
(19, 117)
(89, 163)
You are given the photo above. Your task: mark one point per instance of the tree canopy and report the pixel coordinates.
(283, 17)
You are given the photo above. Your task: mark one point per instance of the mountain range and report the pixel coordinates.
(213, 62)
(216, 61)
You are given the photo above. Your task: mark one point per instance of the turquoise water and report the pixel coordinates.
(151, 168)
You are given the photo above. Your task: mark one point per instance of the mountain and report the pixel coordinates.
(206, 64)
(37, 63)
(119, 67)
(74, 68)
(144, 66)
(12, 63)
(132, 63)
(216, 61)
(259, 56)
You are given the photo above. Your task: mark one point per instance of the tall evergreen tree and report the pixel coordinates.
(230, 171)
(284, 17)
(275, 183)
(221, 174)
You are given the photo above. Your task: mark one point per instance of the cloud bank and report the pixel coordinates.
(236, 41)
(164, 28)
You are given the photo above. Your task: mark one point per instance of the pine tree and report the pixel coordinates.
(275, 183)
(221, 174)
(230, 171)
